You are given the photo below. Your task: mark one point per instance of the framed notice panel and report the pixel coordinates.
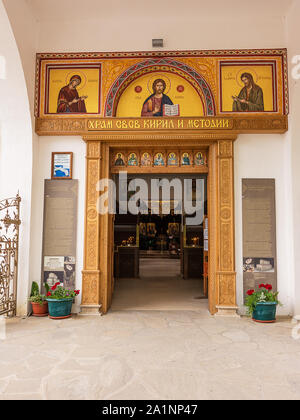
(61, 165)
(259, 233)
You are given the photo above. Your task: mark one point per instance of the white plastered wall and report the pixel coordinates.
(43, 171)
(16, 147)
(293, 144)
(256, 155)
(266, 156)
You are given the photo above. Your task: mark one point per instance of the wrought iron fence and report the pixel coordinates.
(9, 246)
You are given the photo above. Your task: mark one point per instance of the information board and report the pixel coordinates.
(60, 232)
(259, 233)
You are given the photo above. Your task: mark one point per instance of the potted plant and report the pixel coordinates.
(38, 301)
(262, 304)
(60, 301)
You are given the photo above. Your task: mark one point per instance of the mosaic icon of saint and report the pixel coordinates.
(132, 161)
(199, 160)
(172, 159)
(185, 159)
(69, 99)
(251, 97)
(153, 105)
(119, 160)
(159, 160)
(146, 159)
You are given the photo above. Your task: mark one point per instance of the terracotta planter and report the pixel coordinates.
(39, 310)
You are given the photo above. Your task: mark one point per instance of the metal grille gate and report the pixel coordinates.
(9, 244)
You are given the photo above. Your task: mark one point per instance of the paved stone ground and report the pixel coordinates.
(148, 355)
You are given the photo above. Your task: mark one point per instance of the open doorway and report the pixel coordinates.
(108, 155)
(160, 260)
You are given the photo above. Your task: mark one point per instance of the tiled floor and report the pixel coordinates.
(139, 353)
(160, 287)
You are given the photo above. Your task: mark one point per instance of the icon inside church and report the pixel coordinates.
(199, 159)
(132, 160)
(143, 229)
(159, 160)
(151, 229)
(172, 159)
(119, 160)
(146, 159)
(173, 229)
(185, 160)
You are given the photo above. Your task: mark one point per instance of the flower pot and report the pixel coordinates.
(265, 312)
(39, 310)
(60, 308)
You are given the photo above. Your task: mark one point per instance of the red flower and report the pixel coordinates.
(250, 292)
(49, 294)
(77, 292)
(261, 286)
(269, 287)
(54, 287)
(57, 284)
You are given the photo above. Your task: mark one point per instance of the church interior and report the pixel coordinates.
(143, 304)
(157, 243)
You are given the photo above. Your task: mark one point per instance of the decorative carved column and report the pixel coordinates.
(106, 251)
(212, 198)
(91, 299)
(225, 274)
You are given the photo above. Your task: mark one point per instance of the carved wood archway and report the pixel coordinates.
(97, 281)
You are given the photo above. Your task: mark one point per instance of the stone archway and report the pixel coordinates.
(97, 273)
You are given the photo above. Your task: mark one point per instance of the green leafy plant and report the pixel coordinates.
(34, 289)
(35, 296)
(59, 292)
(263, 294)
(37, 299)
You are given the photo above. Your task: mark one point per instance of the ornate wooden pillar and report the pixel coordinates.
(225, 290)
(91, 298)
(212, 197)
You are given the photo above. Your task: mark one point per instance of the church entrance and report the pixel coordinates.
(160, 258)
(153, 237)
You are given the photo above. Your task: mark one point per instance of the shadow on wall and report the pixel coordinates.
(2, 68)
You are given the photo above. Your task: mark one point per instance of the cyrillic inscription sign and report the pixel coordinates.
(159, 124)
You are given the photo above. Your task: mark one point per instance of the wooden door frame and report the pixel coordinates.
(97, 271)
